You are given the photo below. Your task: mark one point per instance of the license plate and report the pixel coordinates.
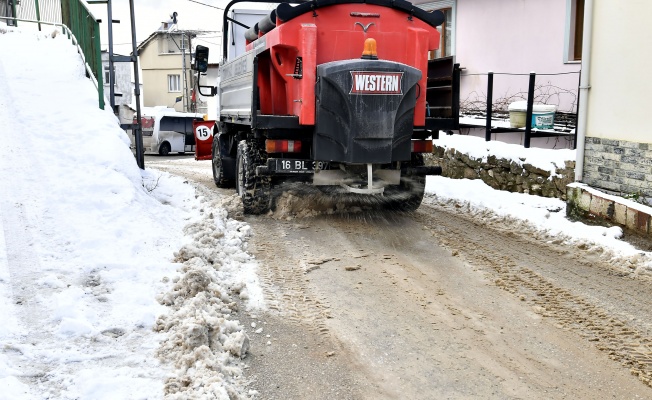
(299, 166)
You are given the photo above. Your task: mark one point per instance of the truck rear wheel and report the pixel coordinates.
(407, 196)
(218, 170)
(254, 190)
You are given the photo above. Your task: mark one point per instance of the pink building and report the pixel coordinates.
(514, 37)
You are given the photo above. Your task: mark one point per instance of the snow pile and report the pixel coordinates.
(478, 148)
(545, 218)
(88, 235)
(88, 241)
(203, 343)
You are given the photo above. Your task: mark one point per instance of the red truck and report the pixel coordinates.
(334, 93)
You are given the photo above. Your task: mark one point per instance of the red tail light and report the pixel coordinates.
(283, 146)
(422, 146)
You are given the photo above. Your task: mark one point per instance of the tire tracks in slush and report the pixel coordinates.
(295, 356)
(424, 326)
(407, 326)
(285, 281)
(607, 308)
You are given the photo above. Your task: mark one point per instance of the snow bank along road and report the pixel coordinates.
(436, 304)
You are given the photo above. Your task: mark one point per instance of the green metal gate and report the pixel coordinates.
(86, 29)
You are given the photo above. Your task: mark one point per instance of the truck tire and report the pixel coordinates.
(255, 191)
(218, 171)
(407, 196)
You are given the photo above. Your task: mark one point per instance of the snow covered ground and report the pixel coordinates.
(545, 216)
(96, 299)
(117, 283)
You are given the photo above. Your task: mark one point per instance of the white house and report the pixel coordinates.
(614, 140)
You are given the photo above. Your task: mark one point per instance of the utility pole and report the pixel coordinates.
(193, 85)
(109, 16)
(185, 39)
(12, 5)
(137, 127)
(183, 71)
(138, 130)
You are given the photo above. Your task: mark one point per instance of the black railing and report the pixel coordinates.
(565, 122)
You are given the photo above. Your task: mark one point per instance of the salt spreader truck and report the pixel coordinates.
(334, 93)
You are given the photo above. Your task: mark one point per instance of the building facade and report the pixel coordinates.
(122, 87)
(512, 38)
(165, 60)
(617, 154)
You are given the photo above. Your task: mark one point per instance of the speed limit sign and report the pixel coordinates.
(202, 132)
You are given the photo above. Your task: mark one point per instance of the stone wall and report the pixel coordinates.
(504, 174)
(618, 165)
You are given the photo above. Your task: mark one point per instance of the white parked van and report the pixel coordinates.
(168, 131)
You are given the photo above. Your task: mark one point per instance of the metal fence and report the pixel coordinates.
(45, 11)
(6, 8)
(488, 107)
(40, 10)
(75, 20)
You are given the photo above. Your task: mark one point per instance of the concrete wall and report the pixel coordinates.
(618, 151)
(619, 99)
(589, 204)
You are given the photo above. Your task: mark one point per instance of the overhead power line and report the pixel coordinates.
(207, 5)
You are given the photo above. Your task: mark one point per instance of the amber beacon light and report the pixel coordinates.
(370, 52)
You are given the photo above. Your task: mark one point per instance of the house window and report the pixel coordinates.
(175, 43)
(446, 30)
(107, 77)
(174, 83)
(183, 43)
(574, 30)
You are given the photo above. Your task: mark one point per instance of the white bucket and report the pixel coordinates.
(543, 115)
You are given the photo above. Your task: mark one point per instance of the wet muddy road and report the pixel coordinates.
(435, 304)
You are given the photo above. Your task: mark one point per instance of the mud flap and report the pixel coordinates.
(364, 111)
